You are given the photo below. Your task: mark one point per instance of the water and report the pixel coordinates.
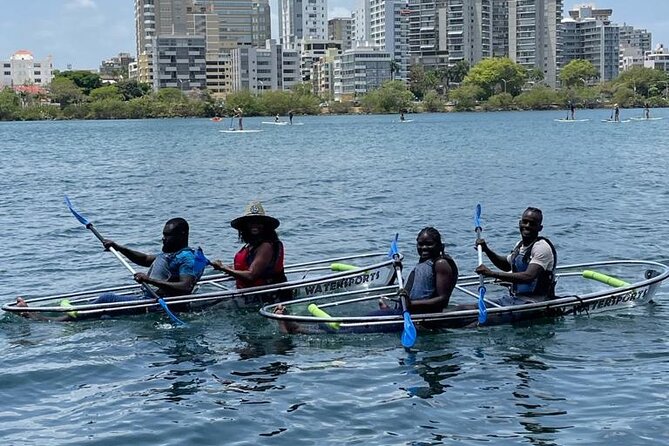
(339, 185)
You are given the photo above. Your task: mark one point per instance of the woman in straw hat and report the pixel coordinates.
(260, 261)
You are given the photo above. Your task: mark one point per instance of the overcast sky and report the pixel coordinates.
(84, 32)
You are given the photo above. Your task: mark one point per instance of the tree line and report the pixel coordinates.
(492, 84)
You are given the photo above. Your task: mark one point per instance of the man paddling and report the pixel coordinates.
(172, 272)
(530, 268)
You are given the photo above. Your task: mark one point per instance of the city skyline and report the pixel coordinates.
(82, 33)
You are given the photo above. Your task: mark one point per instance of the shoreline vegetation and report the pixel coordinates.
(496, 84)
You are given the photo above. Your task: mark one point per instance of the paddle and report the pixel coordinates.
(147, 288)
(483, 312)
(409, 331)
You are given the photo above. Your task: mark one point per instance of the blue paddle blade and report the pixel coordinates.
(393, 247)
(200, 262)
(409, 333)
(483, 311)
(169, 313)
(477, 216)
(76, 214)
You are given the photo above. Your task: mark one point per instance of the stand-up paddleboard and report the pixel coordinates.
(570, 120)
(406, 120)
(240, 131)
(613, 120)
(296, 123)
(646, 119)
(275, 123)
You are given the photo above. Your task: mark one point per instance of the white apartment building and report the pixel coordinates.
(658, 59)
(469, 30)
(534, 35)
(428, 38)
(264, 69)
(302, 19)
(23, 69)
(311, 51)
(387, 27)
(588, 34)
(360, 70)
(634, 44)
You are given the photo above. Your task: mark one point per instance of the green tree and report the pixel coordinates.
(466, 96)
(432, 102)
(391, 97)
(578, 72)
(133, 89)
(501, 101)
(9, 104)
(170, 95)
(497, 74)
(65, 92)
(458, 72)
(106, 93)
(538, 98)
(86, 80)
(641, 80)
(417, 80)
(394, 69)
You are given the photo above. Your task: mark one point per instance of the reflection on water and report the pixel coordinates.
(434, 370)
(534, 403)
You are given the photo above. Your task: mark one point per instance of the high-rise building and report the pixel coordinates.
(428, 37)
(588, 34)
(534, 35)
(341, 28)
(360, 70)
(386, 24)
(154, 18)
(179, 62)
(634, 44)
(261, 69)
(302, 20)
(230, 24)
(469, 30)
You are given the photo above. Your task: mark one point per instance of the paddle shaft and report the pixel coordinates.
(125, 263)
(480, 253)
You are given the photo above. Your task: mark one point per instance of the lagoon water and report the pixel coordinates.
(339, 185)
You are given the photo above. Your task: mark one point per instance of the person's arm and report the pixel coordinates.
(186, 282)
(182, 287)
(499, 261)
(136, 257)
(532, 272)
(262, 260)
(445, 282)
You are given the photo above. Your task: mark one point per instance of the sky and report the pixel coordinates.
(82, 33)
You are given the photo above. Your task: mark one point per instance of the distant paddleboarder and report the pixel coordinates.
(276, 118)
(572, 110)
(290, 117)
(401, 115)
(239, 113)
(616, 113)
(646, 110)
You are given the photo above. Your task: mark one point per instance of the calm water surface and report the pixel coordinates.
(339, 185)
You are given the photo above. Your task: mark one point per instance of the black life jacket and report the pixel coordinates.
(544, 284)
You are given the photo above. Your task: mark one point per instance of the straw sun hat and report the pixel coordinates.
(254, 211)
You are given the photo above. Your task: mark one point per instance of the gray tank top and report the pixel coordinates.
(422, 281)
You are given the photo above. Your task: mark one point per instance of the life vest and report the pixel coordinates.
(544, 284)
(422, 281)
(272, 274)
(167, 266)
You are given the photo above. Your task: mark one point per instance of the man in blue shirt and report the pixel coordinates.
(172, 272)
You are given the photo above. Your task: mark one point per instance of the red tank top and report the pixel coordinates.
(272, 274)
